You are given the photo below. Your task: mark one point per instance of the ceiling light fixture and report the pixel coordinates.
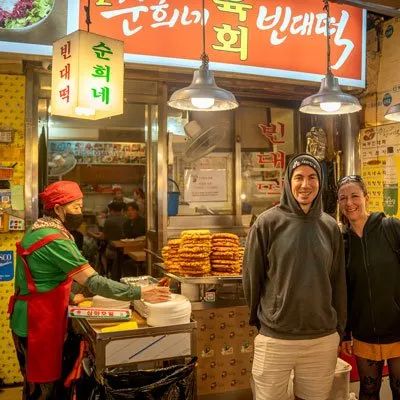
(203, 94)
(330, 100)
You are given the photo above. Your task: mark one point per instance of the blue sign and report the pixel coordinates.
(6, 266)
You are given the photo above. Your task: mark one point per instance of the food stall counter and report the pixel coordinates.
(112, 347)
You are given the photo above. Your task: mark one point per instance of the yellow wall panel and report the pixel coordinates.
(12, 114)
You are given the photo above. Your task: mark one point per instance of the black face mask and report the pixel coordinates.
(73, 221)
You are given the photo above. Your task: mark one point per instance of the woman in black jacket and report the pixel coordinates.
(373, 281)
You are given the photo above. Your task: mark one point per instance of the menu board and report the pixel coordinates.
(86, 152)
(380, 167)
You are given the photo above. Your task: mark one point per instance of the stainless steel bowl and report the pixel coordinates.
(29, 27)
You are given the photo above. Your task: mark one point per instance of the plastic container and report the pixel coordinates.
(341, 383)
(191, 291)
(173, 199)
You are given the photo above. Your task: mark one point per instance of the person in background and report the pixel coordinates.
(294, 284)
(373, 283)
(112, 230)
(118, 194)
(114, 223)
(135, 225)
(47, 263)
(140, 200)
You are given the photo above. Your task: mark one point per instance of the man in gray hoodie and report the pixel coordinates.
(294, 284)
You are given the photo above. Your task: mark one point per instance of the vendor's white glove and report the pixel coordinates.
(155, 294)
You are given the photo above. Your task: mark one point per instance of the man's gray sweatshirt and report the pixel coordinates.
(294, 271)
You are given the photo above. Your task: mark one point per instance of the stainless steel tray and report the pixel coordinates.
(200, 280)
(143, 280)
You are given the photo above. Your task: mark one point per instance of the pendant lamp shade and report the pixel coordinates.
(203, 94)
(330, 99)
(393, 113)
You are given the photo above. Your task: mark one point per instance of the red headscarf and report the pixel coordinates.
(60, 192)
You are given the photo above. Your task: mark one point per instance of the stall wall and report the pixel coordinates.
(12, 114)
(383, 77)
(379, 139)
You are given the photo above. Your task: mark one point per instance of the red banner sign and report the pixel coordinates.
(283, 38)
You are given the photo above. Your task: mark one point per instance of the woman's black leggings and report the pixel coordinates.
(370, 373)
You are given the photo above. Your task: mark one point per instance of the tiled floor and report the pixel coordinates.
(14, 393)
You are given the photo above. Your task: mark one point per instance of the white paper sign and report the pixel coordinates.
(202, 185)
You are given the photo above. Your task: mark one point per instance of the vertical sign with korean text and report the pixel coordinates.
(380, 167)
(87, 76)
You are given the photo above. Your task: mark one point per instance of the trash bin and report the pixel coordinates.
(171, 383)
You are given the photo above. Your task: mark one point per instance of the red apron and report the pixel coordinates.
(47, 321)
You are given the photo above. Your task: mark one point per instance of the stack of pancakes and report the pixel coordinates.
(241, 254)
(170, 254)
(198, 253)
(225, 255)
(194, 252)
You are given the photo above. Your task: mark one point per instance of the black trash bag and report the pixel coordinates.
(87, 388)
(171, 383)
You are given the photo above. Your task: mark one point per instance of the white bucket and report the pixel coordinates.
(340, 387)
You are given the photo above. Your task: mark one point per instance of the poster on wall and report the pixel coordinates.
(205, 185)
(95, 153)
(6, 266)
(380, 167)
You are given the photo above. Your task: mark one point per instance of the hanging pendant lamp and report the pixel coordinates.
(203, 94)
(393, 113)
(330, 100)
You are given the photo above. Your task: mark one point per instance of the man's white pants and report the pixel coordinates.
(313, 362)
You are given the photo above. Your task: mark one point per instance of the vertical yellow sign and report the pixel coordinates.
(380, 167)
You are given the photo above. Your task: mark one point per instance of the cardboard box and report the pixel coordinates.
(225, 349)
(383, 78)
(391, 39)
(372, 62)
(375, 108)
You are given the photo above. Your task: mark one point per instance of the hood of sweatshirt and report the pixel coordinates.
(287, 202)
(373, 221)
